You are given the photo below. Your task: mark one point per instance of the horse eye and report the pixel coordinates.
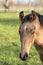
(32, 31)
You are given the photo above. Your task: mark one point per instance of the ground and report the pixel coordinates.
(10, 42)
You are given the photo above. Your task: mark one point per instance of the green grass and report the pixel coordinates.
(10, 42)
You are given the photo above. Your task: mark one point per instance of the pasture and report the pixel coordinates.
(10, 42)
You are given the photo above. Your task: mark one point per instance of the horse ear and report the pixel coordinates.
(21, 16)
(33, 15)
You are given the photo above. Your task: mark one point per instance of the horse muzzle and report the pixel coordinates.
(25, 57)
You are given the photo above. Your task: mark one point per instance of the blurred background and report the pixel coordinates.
(18, 5)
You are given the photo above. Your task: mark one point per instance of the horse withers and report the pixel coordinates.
(31, 32)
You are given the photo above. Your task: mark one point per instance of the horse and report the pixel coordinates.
(31, 32)
(6, 5)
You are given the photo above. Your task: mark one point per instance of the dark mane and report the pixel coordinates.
(28, 18)
(40, 18)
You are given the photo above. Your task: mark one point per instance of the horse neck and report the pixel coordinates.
(39, 33)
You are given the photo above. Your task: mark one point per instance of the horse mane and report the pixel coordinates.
(41, 20)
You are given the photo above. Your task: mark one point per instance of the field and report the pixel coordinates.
(10, 42)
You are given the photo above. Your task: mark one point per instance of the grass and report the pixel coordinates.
(10, 42)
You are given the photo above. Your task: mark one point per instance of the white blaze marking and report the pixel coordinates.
(25, 28)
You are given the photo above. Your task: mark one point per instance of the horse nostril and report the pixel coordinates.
(24, 57)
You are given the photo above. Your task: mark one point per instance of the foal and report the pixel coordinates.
(31, 32)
